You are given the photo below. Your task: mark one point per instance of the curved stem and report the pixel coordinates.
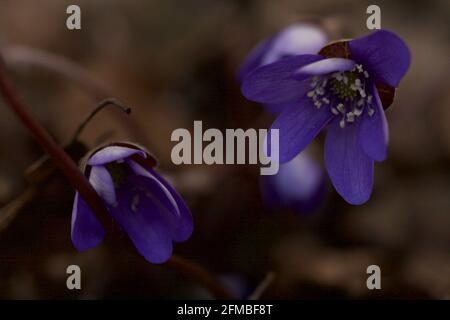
(64, 163)
(78, 181)
(103, 104)
(200, 275)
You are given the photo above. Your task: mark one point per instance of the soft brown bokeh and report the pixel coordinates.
(174, 62)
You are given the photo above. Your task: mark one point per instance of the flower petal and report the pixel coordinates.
(181, 223)
(299, 38)
(182, 229)
(324, 66)
(373, 132)
(162, 190)
(384, 55)
(103, 183)
(113, 153)
(86, 230)
(273, 83)
(299, 124)
(254, 59)
(299, 184)
(276, 109)
(350, 169)
(143, 222)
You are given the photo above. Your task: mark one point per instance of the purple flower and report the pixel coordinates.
(139, 200)
(299, 185)
(341, 88)
(299, 38)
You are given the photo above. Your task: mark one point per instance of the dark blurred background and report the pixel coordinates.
(175, 62)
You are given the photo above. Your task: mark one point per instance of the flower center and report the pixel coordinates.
(343, 89)
(344, 93)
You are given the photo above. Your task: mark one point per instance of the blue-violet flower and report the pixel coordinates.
(138, 199)
(343, 88)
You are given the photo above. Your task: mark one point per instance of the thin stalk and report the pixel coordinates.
(103, 104)
(79, 182)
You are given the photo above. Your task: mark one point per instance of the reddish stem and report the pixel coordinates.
(78, 181)
(58, 155)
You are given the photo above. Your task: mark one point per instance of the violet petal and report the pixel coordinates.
(384, 55)
(299, 124)
(273, 83)
(350, 169)
(112, 153)
(86, 231)
(373, 132)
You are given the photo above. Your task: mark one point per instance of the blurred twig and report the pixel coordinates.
(10, 210)
(26, 56)
(61, 159)
(263, 286)
(37, 175)
(69, 169)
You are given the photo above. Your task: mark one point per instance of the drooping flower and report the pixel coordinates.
(298, 185)
(341, 88)
(299, 38)
(138, 199)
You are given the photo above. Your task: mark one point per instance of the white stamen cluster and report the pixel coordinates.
(317, 94)
(345, 93)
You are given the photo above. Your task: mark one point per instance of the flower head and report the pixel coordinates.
(138, 199)
(340, 88)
